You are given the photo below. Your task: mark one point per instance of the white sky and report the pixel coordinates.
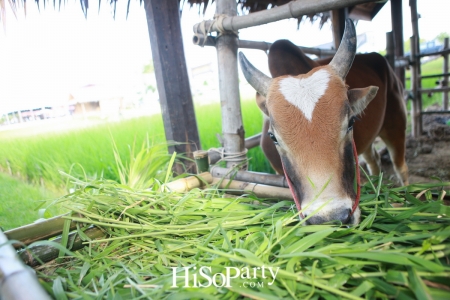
(48, 54)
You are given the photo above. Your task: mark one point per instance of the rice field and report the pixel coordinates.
(21, 203)
(88, 152)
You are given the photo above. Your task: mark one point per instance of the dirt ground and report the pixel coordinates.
(427, 156)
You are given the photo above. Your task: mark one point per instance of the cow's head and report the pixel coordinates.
(311, 118)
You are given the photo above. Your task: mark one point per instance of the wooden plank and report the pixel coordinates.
(163, 20)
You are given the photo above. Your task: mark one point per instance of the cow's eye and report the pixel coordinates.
(273, 138)
(351, 121)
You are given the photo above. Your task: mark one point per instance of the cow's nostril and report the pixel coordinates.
(346, 216)
(342, 216)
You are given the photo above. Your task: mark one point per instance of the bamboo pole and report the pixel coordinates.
(445, 79)
(261, 178)
(253, 141)
(232, 124)
(38, 231)
(434, 90)
(189, 183)
(401, 62)
(390, 49)
(293, 9)
(416, 107)
(260, 190)
(45, 253)
(17, 282)
(201, 160)
(441, 52)
(199, 39)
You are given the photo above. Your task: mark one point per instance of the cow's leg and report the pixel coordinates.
(395, 143)
(373, 160)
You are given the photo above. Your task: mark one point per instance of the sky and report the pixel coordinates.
(48, 54)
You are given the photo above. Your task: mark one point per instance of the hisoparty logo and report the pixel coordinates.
(203, 277)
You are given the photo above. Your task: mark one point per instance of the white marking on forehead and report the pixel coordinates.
(304, 93)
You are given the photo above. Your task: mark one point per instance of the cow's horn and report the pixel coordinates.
(345, 54)
(257, 79)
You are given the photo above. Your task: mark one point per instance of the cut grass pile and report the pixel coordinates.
(210, 240)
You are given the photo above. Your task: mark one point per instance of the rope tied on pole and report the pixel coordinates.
(204, 29)
(234, 157)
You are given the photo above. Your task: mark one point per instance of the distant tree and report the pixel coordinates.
(441, 36)
(407, 45)
(148, 68)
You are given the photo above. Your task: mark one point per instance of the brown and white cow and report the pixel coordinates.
(315, 110)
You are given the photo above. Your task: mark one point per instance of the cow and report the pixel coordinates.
(320, 114)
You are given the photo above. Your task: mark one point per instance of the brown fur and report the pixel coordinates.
(384, 116)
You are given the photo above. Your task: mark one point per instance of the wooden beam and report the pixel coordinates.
(397, 29)
(163, 20)
(338, 17)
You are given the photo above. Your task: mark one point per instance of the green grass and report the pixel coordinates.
(394, 253)
(20, 202)
(88, 152)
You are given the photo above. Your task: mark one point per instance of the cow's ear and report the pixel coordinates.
(360, 98)
(261, 102)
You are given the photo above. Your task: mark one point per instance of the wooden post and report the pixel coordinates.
(163, 20)
(397, 28)
(416, 107)
(338, 17)
(232, 125)
(390, 48)
(416, 84)
(445, 79)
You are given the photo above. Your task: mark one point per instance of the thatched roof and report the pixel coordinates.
(364, 11)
